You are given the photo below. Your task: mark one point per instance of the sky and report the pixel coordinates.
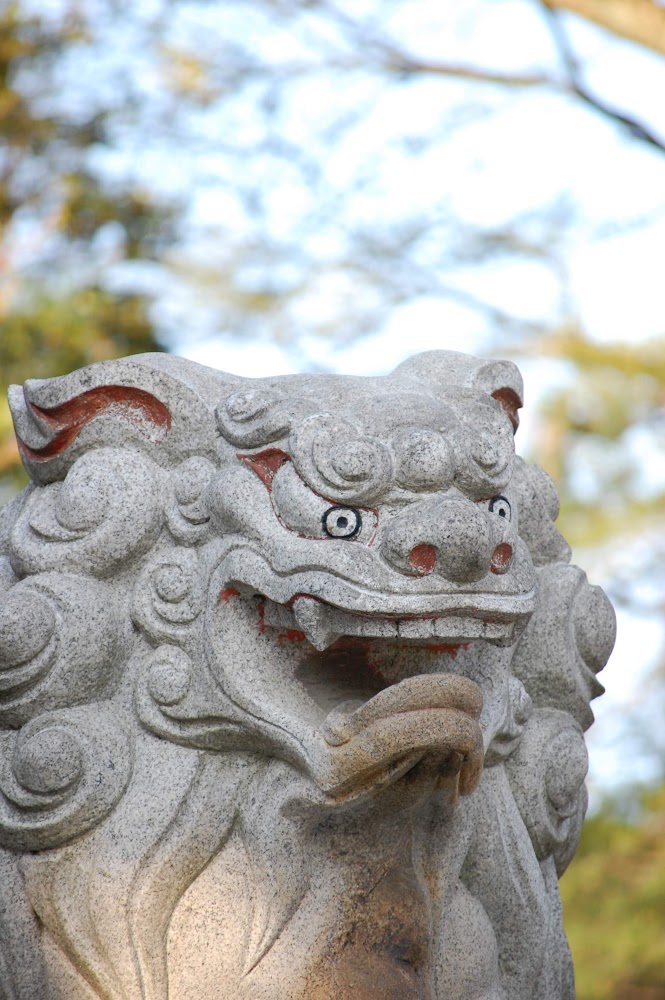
(538, 148)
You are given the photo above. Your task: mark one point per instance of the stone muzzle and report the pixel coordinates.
(451, 537)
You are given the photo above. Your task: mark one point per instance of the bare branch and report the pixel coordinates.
(387, 55)
(378, 47)
(576, 85)
(400, 63)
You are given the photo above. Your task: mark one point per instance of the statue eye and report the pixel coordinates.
(341, 522)
(499, 505)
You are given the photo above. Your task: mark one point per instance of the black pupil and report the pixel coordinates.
(502, 512)
(342, 522)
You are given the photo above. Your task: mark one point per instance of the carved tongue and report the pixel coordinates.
(313, 619)
(413, 694)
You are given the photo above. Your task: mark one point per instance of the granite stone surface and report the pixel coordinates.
(294, 677)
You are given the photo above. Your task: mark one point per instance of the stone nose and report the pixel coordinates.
(453, 537)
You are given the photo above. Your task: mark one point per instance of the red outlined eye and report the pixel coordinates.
(341, 522)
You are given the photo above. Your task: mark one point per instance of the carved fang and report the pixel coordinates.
(313, 619)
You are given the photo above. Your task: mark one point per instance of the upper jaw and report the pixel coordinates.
(325, 606)
(458, 622)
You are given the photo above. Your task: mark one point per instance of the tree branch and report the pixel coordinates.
(398, 62)
(383, 50)
(640, 21)
(576, 85)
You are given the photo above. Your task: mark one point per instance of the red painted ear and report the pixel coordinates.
(66, 421)
(510, 402)
(266, 464)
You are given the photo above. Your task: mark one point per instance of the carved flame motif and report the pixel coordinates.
(293, 677)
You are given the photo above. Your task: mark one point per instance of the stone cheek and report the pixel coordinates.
(294, 675)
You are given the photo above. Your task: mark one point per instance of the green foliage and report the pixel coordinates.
(614, 905)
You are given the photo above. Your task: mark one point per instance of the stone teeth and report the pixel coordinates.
(322, 624)
(314, 620)
(372, 627)
(458, 627)
(415, 628)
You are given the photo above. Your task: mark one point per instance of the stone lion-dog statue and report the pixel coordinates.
(294, 674)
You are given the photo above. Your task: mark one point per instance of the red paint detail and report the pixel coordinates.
(292, 600)
(68, 419)
(262, 617)
(266, 464)
(291, 635)
(510, 402)
(501, 558)
(423, 558)
(226, 595)
(450, 648)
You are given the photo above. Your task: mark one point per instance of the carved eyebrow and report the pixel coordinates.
(266, 464)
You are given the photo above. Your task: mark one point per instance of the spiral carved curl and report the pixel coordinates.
(61, 775)
(106, 510)
(337, 460)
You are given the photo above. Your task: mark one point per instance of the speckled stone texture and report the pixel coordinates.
(294, 674)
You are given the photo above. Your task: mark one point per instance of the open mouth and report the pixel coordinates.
(370, 691)
(358, 707)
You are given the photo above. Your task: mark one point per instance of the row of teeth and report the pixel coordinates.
(323, 624)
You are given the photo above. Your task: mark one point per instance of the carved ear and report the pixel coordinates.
(510, 402)
(43, 432)
(503, 382)
(141, 402)
(499, 379)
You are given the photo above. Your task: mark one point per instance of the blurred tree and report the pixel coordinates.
(601, 437)
(60, 224)
(614, 906)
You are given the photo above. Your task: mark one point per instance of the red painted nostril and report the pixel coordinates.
(501, 558)
(423, 558)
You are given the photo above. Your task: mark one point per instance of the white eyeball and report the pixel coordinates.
(500, 506)
(341, 522)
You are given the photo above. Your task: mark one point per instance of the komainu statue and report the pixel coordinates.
(294, 675)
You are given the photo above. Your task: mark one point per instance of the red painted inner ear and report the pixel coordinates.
(266, 464)
(69, 418)
(510, 402)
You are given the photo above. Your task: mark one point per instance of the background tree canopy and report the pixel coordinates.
(332, 185)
